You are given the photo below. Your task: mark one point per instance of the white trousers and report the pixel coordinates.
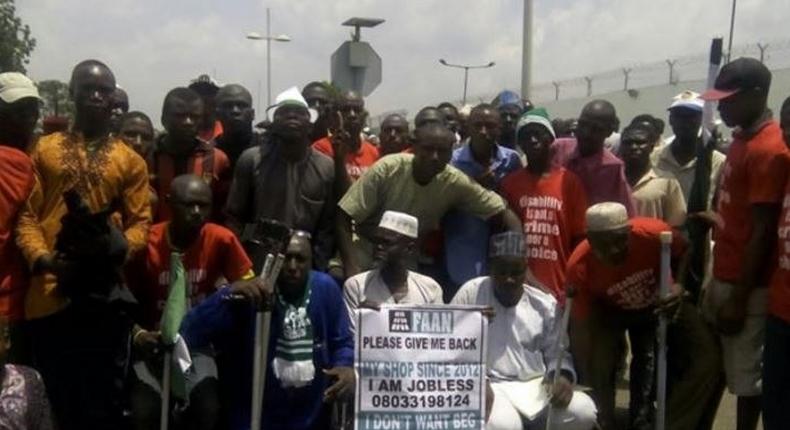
(579, 415)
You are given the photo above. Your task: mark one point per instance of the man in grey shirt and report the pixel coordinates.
(284, 179)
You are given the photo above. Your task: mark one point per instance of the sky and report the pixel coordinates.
(153, 45)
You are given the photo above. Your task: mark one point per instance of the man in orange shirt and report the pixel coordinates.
(19, 101)
(353, 155)
(180, 150)
(776, 372)
(749, 202)
(210, 253)
(615, 273)
(550, 201)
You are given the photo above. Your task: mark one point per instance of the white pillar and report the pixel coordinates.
(526, 51)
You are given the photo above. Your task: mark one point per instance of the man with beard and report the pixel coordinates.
(101, 170)
(391, 281)
(285, 179)
(420, 184)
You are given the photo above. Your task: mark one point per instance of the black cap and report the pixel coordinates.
(739, 75)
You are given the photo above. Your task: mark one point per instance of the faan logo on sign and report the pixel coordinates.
(427, 321)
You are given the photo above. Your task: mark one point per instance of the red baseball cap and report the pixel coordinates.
(739, 75)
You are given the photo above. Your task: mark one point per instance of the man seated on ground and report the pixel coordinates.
(655, 195)
(391, 281)
(600, 171)
(394, 135)
(420, 184)
(180, 151)
(307, 310)
(209, 253)
(549, 199)
(285, 179)
(615, 273)
(522, 340)
(23, 398)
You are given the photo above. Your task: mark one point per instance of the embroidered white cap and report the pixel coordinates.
(400, 223)
(606, 216)
(689, 100)
(16, 86)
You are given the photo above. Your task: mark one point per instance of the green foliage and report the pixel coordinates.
(16, 42)
(56, 99)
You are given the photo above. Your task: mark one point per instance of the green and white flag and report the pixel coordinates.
(174, 312)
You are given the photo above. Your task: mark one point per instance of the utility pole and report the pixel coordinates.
(526, 51)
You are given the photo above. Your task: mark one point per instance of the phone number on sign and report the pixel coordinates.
(425, 401)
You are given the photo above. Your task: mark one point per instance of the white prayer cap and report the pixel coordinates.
(606, 216)
(16, 86)
(292, 96)
(689, 100)
(400, 223)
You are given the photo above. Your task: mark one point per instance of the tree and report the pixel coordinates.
(16, 43)
(56, 98)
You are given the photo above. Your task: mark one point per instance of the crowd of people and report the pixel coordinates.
(121, 245)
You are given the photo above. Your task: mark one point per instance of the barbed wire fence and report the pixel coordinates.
(775, 54)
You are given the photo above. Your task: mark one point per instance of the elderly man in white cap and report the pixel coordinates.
(284, 179)
(522, 342)
(19, 103)
(391, 281)
(615, 273)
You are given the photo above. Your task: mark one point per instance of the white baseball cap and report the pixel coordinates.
(292, 96)
(16, 86)
(688, 99)
(606, 216)
(400, 223)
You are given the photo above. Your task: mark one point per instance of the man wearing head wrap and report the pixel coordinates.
(549, 199)
(391, 281)
(522, 337)
(284, 179)
(616, 273)
(487, 162)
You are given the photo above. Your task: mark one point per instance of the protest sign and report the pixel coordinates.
(420, 367)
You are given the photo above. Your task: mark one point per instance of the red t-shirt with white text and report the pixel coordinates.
(630, 286)
(552, 209)
(356, 163)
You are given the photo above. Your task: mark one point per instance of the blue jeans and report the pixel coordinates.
(776, 374)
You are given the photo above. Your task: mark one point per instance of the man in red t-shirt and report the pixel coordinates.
(211, 254)
(19, 103)
(615, 274)
(776, 372)
(353, 155)
(749, 201)
(550, 201)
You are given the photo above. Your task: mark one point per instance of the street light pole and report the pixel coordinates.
(268, 58)
(732, 30)
(466, 72)
(268, 38)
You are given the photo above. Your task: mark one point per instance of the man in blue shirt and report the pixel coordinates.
(311, 350)
(487, 162)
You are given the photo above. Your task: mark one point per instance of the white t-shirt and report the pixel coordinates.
(421, 289)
